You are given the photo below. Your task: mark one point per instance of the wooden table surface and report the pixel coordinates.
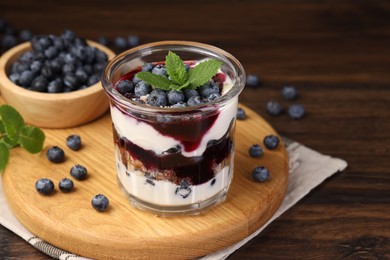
(338, 57)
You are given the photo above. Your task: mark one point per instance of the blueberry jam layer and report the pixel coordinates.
(188, 129)
(171, 165)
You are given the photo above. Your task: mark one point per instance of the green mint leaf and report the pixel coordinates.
(157, 81)
(185, 85)
(31, 138)
(10, 143)
(4, 156)
(2, 128)
(203, 72)
(175, 68)
(12, 121)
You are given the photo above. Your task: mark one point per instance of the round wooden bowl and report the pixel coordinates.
(52, 110)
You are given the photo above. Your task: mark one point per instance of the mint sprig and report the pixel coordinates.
(179, 78)
(14, 132)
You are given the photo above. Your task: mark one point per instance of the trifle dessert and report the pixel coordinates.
(173, 107)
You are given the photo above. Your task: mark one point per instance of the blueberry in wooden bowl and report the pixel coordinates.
(54, 81)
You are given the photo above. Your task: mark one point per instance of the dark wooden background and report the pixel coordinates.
(338, 57)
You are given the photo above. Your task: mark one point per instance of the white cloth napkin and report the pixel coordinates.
(308, 169)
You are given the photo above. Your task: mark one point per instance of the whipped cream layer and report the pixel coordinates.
(146, 136)
(166, 193)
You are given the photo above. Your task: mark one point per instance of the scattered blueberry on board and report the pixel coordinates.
(260, 174)
(79, 172)
(120, 43)
(274, 108)
(296, 111)
(73, 142)
(289, 92)
(100, 202)
(44, 186)
(241, 114)
(271, 142)
(252, 81)
(55, 154)
(255, 151)
(65, 185)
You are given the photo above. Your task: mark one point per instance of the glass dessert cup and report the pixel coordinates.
(174, 161)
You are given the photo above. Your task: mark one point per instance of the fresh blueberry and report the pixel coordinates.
(95, 78)
(27, 57)
(124, 86)
(48, 72)
(55, 86)
(70, 58)
(136, 80)
(88, 69)
(157, 98)
(260, 174)
(26, 78)
(55, 154)
(103, 40)
(147, 67)
(65, 185)
(79, 172)
(142, 89)
(68, 68)
(241, 114)
(71, 81)
(45, 42)
(120, 43)
(190, 93)
(73, 142)
(81, 75)
(51, 52)
(100, 56)
(274, 108)
(8, 41)
(100, 202)
(44, 186)
(252, 81)
(207, 89)
(68, 36)
(213, 96)
(39, 84)
(19, 67)
(175, 96)
(14, 77)
(36, 66)
(289, 92)
(80, 42)
(132, 41)
(296, 111)
(194, 101)
(78, 51)
(179, 104)
(271, 142)
(255, 151)
(160, 70)
(58, 43)
(99, 67)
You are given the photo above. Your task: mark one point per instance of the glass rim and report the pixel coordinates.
(190, 46)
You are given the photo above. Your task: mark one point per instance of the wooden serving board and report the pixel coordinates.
(68, 221)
